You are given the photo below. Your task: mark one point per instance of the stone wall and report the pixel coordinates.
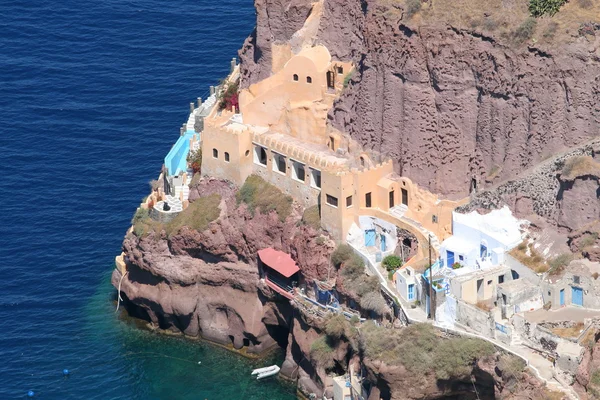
(474, 318)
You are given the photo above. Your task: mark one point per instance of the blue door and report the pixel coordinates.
(370, 237)
(577, 296)
(382, 240)
(450, 258)
(411, 292)
(562, 297)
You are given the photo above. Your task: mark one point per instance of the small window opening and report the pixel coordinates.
(349, 201)
(247, 153)
(296, 77)
(279, 163)
(315, 178)
(260, 155)
(340, 69)
(215, 153)
(434, 219)
(298, 171)
(308, 79)
(368, 200)
(362, 161)
(576, 279)
(330, 80)
(226, 157)
(332, 201)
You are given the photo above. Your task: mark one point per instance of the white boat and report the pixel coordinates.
(266, 371)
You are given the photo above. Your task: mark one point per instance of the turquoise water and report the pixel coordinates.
(92, 95)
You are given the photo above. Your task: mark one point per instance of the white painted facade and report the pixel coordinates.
(407, 282)
(480, 241)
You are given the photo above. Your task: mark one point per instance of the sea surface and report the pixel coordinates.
(92, 95)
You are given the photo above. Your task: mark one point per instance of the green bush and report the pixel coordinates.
(335, 326)
(321, 351)
(391, 262)
(539, 8)
(341, 254)
(312, 217)
(457, 265)
(197, 216)
(348, 78)
(412, 7)
(525, 31)
(257, 193)
(354, 267)
(558, 264)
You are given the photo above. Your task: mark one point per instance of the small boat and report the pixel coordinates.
(266, 371)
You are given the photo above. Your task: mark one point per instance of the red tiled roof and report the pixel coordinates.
(279, 261)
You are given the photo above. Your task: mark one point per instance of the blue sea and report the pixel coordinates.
(92, 95)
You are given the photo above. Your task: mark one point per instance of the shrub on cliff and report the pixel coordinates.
(539, 8)
(525, 31)
(321, 351)
(580, 166)
(228, 96)
(412, 7)
(374, 301)
(257, 193)
(341, 254)
(312, 217)
(197, 216)
(421, 351)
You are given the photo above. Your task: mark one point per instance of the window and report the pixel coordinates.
(576, 279)
(215, 153)
(434, 219)
(368, 200)
(461, 258)
(279, 163)
(391, 199)
(405, 197)
(489, 282)
(362, 161)
(226, 157)
(411, 292)
(332, 201)
(515, 274)
(298, 171)
(330, 80)
(315, 178)
(247, 153)
(308, 79)
(260, 155)
(340, 69)
(349, 201)
(500, 278)
(296, 77)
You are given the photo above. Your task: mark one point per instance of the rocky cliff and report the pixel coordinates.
(452, 105)
(206, 283)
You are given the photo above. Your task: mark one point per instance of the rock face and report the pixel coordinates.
(450, 106)
(207, 283)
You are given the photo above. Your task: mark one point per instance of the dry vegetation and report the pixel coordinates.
(421, 351)
(505, 20)
(580, 166)
(312, 217)
(570, 332)
(257, 193)
(529, 257)
(197, 216)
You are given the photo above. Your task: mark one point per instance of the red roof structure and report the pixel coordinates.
(279, 261)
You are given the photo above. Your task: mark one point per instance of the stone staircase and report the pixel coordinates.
(183, 188)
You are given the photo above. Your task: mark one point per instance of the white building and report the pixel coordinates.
(480, 241)
(408, 284)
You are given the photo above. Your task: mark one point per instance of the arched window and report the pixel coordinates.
(296, 77)
(362, 161)
(308, 79)
(215, 153)
(226, 156)
(247, 153)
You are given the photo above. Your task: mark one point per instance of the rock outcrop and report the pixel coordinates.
(207, 283)
(453, 107)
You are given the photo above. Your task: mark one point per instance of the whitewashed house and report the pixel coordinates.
(408, 284)
(480, 241)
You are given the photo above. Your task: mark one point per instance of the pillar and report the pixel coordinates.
(191, 107)
(199, 102)
(212, 90)
(233, 63)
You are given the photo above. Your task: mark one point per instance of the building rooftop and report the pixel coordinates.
(499, 224)
(515, 286)
(279, 261)
(480, 273)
